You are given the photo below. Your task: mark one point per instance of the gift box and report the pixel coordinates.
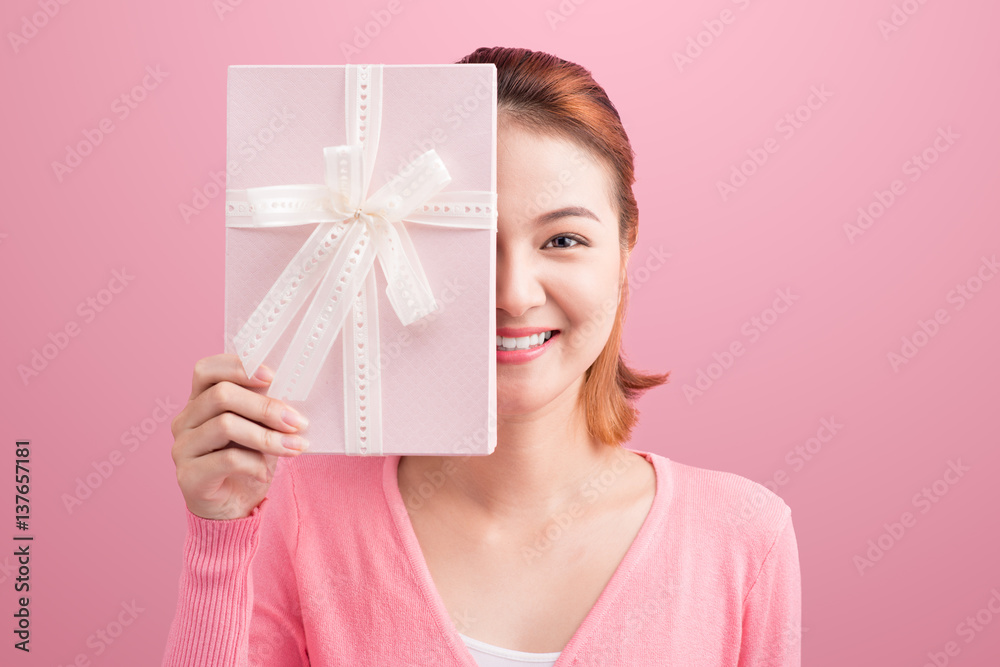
(360, 250)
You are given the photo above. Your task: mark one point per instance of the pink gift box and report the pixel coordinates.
(360, 250)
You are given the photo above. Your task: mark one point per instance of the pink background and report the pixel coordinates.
(826, 357)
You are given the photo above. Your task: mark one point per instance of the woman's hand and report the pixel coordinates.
(227, 439)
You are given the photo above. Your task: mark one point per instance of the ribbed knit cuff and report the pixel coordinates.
(214, 605)
(220, 546)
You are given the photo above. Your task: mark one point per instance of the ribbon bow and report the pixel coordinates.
(354, 229)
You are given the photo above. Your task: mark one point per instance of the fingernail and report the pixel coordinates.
(295, 442)
(293, 418)
(264, 374)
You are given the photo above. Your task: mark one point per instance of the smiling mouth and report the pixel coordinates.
(524, 342)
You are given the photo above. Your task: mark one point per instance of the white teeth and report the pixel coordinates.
(524, 342)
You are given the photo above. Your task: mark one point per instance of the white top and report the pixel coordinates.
(487, 655)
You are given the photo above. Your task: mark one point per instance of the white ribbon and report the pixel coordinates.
(353, 230)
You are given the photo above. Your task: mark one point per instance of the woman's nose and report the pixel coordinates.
(518, 285)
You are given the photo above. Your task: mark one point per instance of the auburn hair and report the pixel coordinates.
(548, 94)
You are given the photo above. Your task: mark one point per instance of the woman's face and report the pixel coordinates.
(558, 265)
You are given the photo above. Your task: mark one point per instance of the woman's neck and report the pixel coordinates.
(542, 463)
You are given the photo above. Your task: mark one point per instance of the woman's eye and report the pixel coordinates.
(567, 238)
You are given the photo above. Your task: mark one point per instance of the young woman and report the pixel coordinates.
(563, 547)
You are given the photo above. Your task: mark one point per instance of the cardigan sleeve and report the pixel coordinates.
(238, 603)
(772, 611)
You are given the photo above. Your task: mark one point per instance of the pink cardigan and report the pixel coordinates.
(327, 570)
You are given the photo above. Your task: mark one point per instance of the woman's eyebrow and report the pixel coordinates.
(568, 211)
